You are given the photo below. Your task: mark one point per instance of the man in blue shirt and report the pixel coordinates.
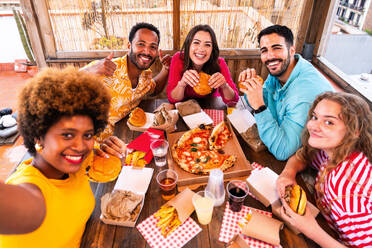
(282, 103)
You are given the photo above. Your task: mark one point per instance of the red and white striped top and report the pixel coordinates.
(348, 196)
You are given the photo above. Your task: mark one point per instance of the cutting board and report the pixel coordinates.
(242, 167)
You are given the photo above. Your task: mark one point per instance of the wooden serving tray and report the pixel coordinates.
(242, 167)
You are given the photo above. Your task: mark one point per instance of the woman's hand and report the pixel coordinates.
(190, 77)
(282, 182)
(217, 80)
(304, 223)
(113, 146)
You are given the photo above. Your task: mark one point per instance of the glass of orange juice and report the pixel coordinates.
(203, 202)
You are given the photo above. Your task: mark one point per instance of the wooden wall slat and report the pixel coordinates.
(33, 31)
(46, 27)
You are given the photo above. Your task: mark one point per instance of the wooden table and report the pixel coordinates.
(98, 234)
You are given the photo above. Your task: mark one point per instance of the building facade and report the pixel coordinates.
(354, 12)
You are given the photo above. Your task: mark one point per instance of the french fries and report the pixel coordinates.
(244, 221)
(168, 220)
(136, 159)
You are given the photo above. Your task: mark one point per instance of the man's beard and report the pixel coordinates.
(284, 67)
(133, 58)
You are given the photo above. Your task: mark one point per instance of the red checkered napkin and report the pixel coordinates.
(216, 115)
(178, 238)
(230, 226)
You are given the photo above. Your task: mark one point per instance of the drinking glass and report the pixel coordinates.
(237, 191)
(203, 202)
(167, 180)
(159, 149)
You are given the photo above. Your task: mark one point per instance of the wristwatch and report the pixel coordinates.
(260, 109)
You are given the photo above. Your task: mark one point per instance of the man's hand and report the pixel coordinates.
(113, 146)
(253, 89)
(217, 80)
(165, 60)
(249, 73)
(103, 67)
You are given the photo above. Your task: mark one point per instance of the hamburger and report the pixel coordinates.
(102, 170)
(295, 196)
(241, 86)
(203, 87)
(137, 117)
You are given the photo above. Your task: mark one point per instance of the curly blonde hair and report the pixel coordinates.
(54, 93)
(357, 117)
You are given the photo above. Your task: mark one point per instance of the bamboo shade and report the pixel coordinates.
(78, 25)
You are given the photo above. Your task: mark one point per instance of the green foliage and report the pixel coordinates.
(24, 36)
(368, 31)
(112, 43)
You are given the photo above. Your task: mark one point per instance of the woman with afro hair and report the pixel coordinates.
(47, 201)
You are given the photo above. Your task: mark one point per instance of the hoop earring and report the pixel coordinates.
(38, 147)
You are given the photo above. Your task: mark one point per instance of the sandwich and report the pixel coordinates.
(203, 88)
(295, 196)
(103, 169)
(241, 86)
(137, 117)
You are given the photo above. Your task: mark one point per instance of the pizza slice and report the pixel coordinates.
(197, 138)
(220, 136)
(200, 161)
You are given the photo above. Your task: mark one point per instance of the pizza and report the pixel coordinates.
(194, 153)
(219, 136)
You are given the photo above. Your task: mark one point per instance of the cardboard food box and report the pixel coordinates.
(132, 179)
(194, 120)
(237, 242)
(263, 227)
(262, 184)
(244, 123)
(242, 167)
(142, 142)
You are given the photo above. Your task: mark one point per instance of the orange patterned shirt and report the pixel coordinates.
(124, 97)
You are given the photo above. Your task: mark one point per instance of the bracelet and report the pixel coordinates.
(260, 109)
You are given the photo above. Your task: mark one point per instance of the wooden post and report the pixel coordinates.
(306, 13)
(45, 25)
(34, 32)
(176, 25)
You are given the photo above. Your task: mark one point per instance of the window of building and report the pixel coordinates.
(352, 66)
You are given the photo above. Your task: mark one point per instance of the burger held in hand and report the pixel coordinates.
(101, 169)
(295, 196)
(241, 85)
(203, 88)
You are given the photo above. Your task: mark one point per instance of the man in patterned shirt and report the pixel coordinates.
(130, 79)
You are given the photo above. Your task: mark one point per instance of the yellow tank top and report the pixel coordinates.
(69, 204)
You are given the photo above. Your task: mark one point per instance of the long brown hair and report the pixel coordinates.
(211, 66)
(357, 117)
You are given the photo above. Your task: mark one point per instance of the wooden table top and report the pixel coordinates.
(98, 234)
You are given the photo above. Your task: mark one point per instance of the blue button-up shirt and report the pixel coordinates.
(280, 125)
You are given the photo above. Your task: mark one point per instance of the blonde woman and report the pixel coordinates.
(337, 142)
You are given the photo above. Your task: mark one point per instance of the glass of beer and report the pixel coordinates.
(237, 191)
(167, 180)
(203, 202)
